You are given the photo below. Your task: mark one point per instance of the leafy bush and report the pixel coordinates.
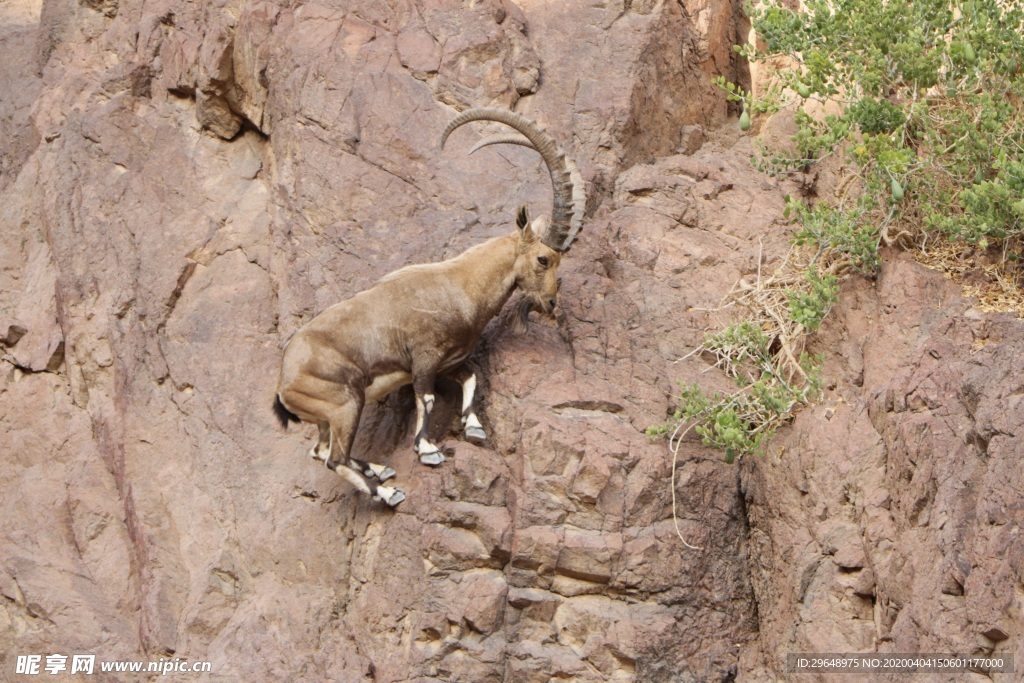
(762, 354)
(923, 102)
(926, 99)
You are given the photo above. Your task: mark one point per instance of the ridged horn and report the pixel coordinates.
(579, 192)
(563, 184)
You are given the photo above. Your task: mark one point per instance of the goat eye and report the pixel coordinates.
(543, 260)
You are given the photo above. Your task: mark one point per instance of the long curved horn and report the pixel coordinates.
(502, 139)
(579, 192)
(554, 158)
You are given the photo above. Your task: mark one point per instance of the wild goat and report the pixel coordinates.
(423, 321)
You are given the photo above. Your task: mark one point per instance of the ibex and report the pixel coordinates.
(423, 321)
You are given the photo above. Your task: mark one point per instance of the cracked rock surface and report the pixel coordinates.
(184, 184)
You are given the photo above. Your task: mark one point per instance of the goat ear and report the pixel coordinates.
(527, 232)
(522, 218)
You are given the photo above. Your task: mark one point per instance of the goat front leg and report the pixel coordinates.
(423, 385)
(473, 429)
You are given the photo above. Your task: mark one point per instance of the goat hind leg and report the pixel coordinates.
(371, 470)
(322, 449)
(310, 407)
(343, 422)
(336, 409)
(390, 495)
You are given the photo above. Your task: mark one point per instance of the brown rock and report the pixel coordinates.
(14, 335)
(589, 555)
(250, 57)
(153, 508)
(845, 547)
(926, 538)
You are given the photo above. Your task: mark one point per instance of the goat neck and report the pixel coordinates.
(487, 274)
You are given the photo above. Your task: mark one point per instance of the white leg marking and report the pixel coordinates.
(424, 447)
(474, 430)
(468, 390)
(354, 478)
(389, 495)
(419, 417)
(382, 472)
(321, 454)
(428, 452)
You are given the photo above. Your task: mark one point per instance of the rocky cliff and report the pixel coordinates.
(183, 185)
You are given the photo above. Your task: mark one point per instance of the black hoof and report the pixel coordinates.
(390, 496)
(384, 474)
(432, 459)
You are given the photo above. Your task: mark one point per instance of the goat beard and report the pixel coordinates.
(521, 314)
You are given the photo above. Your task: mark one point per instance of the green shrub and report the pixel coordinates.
(924, 107)
(927, 95)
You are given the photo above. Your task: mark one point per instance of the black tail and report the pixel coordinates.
(283, 414)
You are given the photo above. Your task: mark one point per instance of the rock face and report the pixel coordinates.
(183, 185)
(896, 502)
